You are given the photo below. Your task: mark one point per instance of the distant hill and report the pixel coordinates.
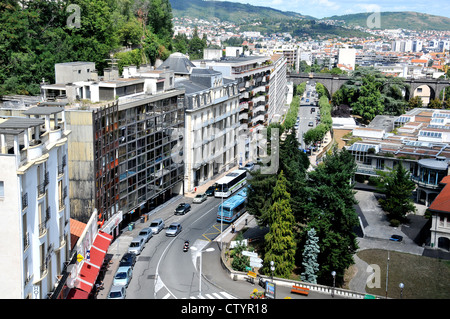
(398, 20)
(272, 20)
(229, 11)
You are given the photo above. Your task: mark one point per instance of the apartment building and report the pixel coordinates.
(120, 152)
(211, 125)
(34, 180)
(255, 76)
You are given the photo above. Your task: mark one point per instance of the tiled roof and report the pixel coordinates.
(76, 229)
(442, 200)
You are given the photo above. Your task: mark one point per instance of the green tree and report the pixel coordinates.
(368, 104)
(160, 18)
(279, 243)
(259, 195)
(397, 187)
(415, 102)
(329, 207)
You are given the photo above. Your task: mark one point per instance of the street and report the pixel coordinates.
(163, 270)
(308, 112)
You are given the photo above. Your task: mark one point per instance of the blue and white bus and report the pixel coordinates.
(230, 183)
(233, 207)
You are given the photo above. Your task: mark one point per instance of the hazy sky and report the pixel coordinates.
(327, 8)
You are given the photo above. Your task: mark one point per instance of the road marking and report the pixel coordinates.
(166, 296)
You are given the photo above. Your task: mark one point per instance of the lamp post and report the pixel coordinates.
(221, 222)
(401, 286)
(333, 273)
(272, 267)
(200, 269)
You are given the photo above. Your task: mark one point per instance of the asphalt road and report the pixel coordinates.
(305, 113)
(163, 270)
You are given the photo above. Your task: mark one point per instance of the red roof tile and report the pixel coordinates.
(442, 200)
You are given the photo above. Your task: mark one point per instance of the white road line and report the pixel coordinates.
(166, 296)
(217, 295)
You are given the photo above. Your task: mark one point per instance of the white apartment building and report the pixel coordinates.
(35, 229)
(211, 125)
(255, 76)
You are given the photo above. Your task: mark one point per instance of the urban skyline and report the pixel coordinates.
(327, 8)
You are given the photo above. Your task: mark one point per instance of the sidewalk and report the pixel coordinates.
(202, 188)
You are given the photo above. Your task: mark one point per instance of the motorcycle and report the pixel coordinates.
(186, 246)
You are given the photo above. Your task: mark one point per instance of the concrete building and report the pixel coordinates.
(211, 125)
(347, 57)
(420, 141)
(35, 231)
(120, 152)
(255, 76)
(440, 221)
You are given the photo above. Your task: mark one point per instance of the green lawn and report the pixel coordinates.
(423, 277)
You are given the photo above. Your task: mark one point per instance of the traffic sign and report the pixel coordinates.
(249, 253)
(80, 258)
(255, 264)
(256, 260)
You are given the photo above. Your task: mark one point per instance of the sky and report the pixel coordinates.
(327, 8)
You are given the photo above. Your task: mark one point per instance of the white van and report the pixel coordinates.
(136, 245)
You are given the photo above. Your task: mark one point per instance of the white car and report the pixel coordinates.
(117, 292)
(146, 233)
(136, 245)
(156, 225)
(123, 276)
(174, 229)
(200, 198)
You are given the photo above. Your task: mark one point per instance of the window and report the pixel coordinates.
(2, 189)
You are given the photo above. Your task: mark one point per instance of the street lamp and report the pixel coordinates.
(200, 270)
(333, 273)
(401, 285)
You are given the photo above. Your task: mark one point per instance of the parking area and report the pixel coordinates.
(377, 231)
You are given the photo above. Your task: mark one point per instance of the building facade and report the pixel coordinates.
(254, 77)
(35, 236)
(211, 125)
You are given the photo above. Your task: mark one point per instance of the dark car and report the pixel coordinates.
(396, 238)
(128, 259)
(210, 191)
(183, 208)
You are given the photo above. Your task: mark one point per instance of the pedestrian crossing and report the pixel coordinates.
(213, 295)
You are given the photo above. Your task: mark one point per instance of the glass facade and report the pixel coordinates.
(150, 138)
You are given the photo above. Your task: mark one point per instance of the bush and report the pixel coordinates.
(394, 222)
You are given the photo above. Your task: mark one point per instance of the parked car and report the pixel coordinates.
(210, 191)
(396, 238)
(174, 229)
(183, 208)
(313, 110)
(157, 225)
(200, 198)
(117, 292)
(123, 276)
(310, 124)
(128, 260)
(146, 233)
(136, 245)
(249, 166)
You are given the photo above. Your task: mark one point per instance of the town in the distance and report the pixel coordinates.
(152, 152)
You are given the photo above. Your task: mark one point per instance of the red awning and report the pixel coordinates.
(90, 269)
(75, 293)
